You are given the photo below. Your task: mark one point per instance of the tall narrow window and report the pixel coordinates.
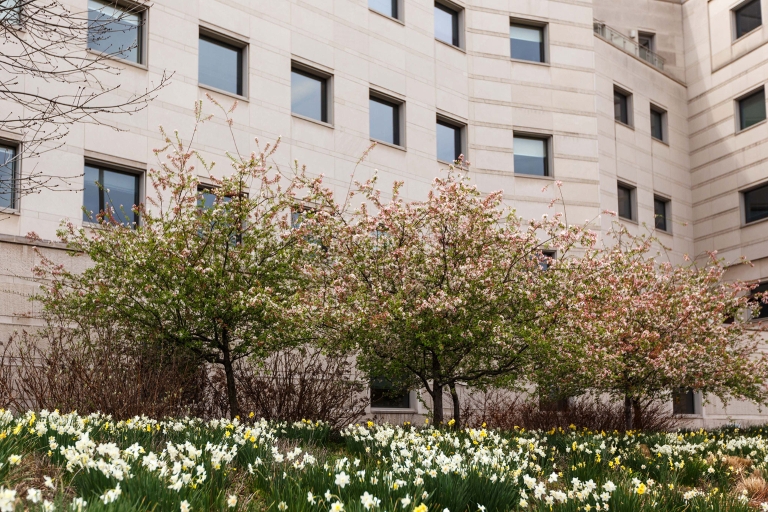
(646, 41)
(108, 188)
(658, 122)
(756, 204)
(8, 178)
(448, 141)
(309, 95)
(220, 65)
(531, 155)
(752, 109)
(626, 200)
(661, 213)
(527, 42)
(762, 289)
(386, 7)
(115, 30)
(747, 18)
(621, 105)
(683, 401)
(384, 121)
(385, 395)
(446, 24)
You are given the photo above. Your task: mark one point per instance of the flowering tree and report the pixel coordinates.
(642, 328)
(212, 270)
(437, 292)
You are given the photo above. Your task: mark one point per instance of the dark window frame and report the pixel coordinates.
(15, 172)
(745, 200)
(684, 402)
(141, 34)
(740, 123)
(627, 118)
(663, 123)
(326, 92)
(384, 385)
(395, 10)
(543, 27)
(762, 287)
(667, 203)
(648, 36)
(242, 59)
(548, 148)
(738, 30)
(456, 22)
(458, 135)
(398, 117)
(632, 201)
(101, 167)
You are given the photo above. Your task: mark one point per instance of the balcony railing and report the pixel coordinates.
(630, 46)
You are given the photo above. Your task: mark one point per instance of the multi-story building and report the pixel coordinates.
(654, 109)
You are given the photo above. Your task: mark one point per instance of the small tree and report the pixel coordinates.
(218, 276)
(642, 328)
(437, 292)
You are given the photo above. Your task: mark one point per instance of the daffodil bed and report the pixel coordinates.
(53, 461)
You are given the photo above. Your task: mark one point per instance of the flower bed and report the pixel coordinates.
(72, 462)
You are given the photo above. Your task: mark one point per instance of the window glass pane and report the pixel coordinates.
(308, 96)
(752, 109)
(113, 30)
(625, 202)
(91, 194)
(645, 41)
(660, 214)
(756, 204)
(384, 121)
(7, 177)
(10, 12)
(120, 192)
(748, 18)
(448, 142)
(385, 396)
(388, 7)
(220, 65)
(446, 25)
(763, 288)
(657, 127)
(527, 43)
(530, 156)
(620, 111)
(683, 402)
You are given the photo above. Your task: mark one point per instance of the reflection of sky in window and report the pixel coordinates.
(114, 31)
(387, 7)
(307, 96)
(7, 177)
(219, 65)
(383, 121)
(526, 42)
(530, 156)
(445, 24)
(447, 151)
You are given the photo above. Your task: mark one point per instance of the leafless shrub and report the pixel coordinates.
(503, 410)
(294, 385)
(53, 369)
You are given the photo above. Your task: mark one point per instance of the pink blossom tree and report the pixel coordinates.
(215, 270)
(642, 327)
(437, 292)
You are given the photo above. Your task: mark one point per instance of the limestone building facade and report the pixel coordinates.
(654, 109)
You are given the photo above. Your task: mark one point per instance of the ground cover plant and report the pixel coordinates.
(54, 461)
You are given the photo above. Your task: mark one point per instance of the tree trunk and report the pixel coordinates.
(437, 403)
(628, 412)
(229, 371)
(456, 407)
(637, 414)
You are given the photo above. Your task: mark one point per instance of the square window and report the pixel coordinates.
(386, 7)
(762, 289)
(626, 199)
(8, 177)
(384, 121)
(747, 18)
(527, 42)
(115, 30)
(446, 24)
(309, 95)
(448, 141)
(110, 188)
(621, 104)
(756, 204)
(658, 124)
(220, 65)
(661, 213)
(752, 109)
(683, 401)
(531, 155)
(385, 395)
